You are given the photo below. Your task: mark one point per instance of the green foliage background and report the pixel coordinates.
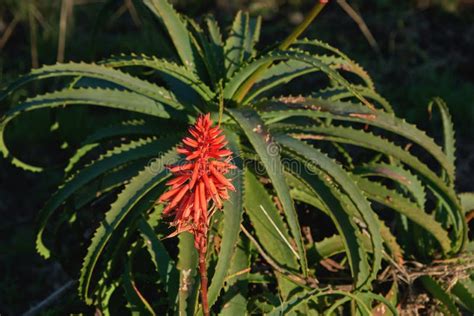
(423, 52)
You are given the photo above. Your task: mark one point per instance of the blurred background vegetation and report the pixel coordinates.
(414, 50)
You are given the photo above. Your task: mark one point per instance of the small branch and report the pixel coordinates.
(9, 31)
(360, 23)
(33, 36)
(50, 299)
(66, 10)
(303, 25)
(298, 279)
(133, 13)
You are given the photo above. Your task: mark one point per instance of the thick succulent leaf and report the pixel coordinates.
(114, 76)
(335, 244)
(449, 143)
(329, 246)
(105, 297)
(398, 174)
(267, 150)
(117, 156)
(113, 99)
(285, 71)
(125, 130)
(190, 82)
(233, 210)
(104, 184)
(216, 47)
(465, 294)
(316, 108)
(215, 34)
(239, 45)
(395, 201)
(287, 306)
(467, 201)
(270, 229)
(252, 37)
(325, 196)
(136, 301)
(165, 266)
(187, 266)
(176, 28)
(347, 185)
(435, 184)
(352, 64)
(236, 294)
(133, 129)
(336, 93)
(435, 289)
(232, 87)
(211, 56)
(79, 155)
(130, 197)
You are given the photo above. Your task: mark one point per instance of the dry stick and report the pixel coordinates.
(33, 36)
(56, 295)
(133, 12)
(360, 23)
(9, 31)
(41, 20)
(245, 88)
(117, 14)
(66, 10)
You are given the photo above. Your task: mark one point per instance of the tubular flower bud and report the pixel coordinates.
(199, 184)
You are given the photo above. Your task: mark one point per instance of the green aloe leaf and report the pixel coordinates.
(233, 210)
(318, 108)
(117, 156)
(236, 295)
(138, 188)
(435, 289)
(114, 99)
(165, 266)
(267, 149)
(137, 302)
(395, 201)
(269, 228)
(114, 76)
(463, 290)
(187, 266)
(449, 141)
(189, 81)
(177, 30)
(349, 187)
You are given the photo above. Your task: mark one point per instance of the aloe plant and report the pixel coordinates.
(384, 188)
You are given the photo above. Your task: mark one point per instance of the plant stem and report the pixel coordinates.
(303, 25)
(290, 39)
(203, 273)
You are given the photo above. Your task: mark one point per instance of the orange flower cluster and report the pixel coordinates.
(199, 180)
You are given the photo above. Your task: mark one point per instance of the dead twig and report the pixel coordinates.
(66, 11)
(33, 36)
(9, 31)
(360, 23)
(56, 295)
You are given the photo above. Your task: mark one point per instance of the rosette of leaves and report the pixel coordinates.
(334, 162)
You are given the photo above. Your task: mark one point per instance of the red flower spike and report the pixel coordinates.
(200, 180)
